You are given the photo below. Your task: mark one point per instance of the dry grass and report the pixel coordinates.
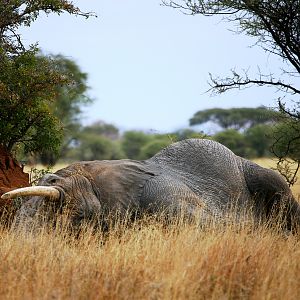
(54, 168)
(150, 261)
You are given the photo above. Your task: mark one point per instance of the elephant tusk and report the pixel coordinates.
(46, 191)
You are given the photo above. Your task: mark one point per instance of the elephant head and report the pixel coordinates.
(85, 191)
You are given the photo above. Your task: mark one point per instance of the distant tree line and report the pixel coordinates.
(248, 132)
(104, 141)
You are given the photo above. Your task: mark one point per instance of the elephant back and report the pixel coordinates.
(199, 157)
(207, 167)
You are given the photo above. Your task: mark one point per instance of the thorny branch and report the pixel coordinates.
(276, 26)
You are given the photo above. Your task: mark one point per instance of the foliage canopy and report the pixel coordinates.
(16, 13)
(30, 84)
(66, 105)
(27, 86)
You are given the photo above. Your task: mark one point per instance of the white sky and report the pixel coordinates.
(149, 65)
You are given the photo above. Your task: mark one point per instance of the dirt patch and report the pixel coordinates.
(11, 176)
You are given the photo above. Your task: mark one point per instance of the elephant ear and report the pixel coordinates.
(272, 195)
(119, 183)
(264, 182)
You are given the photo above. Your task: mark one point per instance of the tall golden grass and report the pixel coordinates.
(149, 260)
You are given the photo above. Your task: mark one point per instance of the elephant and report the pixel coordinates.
(194, 177)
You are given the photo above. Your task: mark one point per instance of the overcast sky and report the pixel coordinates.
(149, 65)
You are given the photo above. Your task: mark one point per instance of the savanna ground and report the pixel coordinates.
(151, 261)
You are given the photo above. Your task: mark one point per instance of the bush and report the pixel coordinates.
(94, 147)
(132, 143)
(235, 141)
(153, 147)
(260, 139)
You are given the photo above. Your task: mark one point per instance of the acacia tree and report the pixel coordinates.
(276, 26)
(29, 82)
(235, 118)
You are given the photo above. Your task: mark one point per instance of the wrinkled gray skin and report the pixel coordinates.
(197, 177)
